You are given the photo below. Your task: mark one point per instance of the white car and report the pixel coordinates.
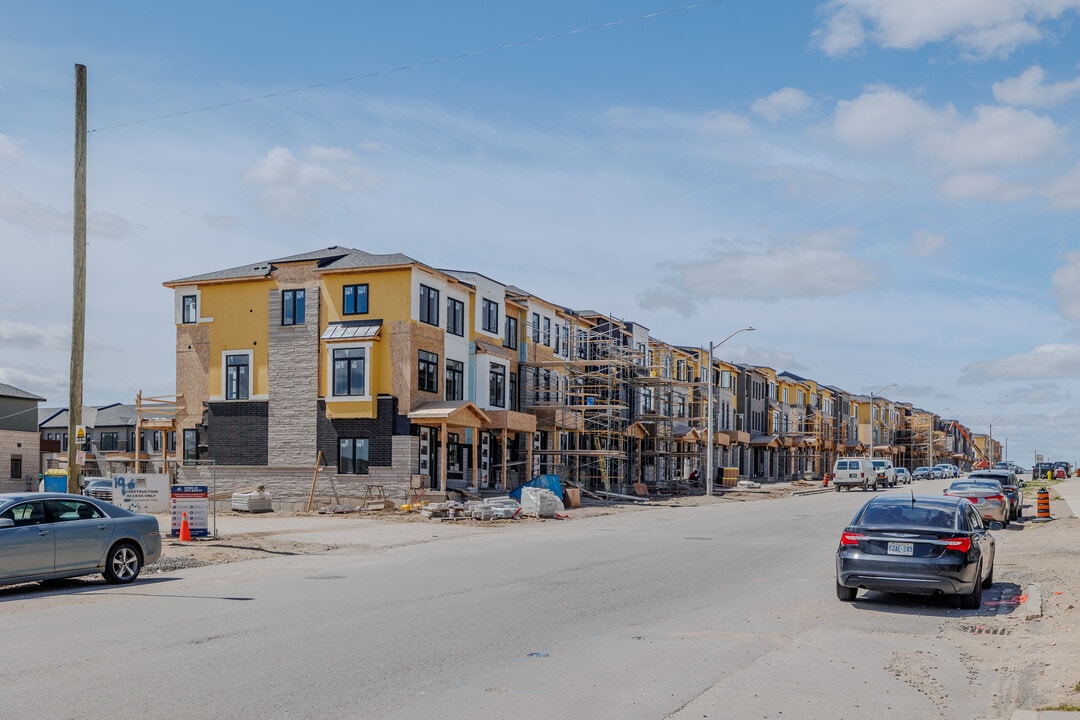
(886, 473)
(903, 476)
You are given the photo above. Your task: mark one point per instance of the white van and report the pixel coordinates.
(852, 472)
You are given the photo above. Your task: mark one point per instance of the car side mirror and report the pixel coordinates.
(6, 523)
(994, 525)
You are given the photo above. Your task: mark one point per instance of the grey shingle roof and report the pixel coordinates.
(13, 392)
(331, 258)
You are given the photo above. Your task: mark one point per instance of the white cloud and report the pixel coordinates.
(727, 123)
(33, 337)
(1046, 362)
(1064, 192)
(9, 149)
(811, 266)
(974, 157)
(925, 243)
(980, 28)
(31, 216)
(290, 186)
(1036, 394)
(1029, 90)
(783, 103)
(1067, 286)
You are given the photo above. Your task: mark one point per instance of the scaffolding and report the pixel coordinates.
(625, 412)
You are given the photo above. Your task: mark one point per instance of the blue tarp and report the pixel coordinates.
(548, 482)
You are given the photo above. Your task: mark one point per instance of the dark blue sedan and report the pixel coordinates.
(920, 544)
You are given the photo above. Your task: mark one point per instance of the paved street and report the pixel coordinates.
(718, 611)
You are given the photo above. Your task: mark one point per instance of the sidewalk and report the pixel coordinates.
(1069, 491)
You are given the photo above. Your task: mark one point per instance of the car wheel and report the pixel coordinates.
(989, 579)
(973, 599)
(845, 593)
(122, 564)
(836, 488)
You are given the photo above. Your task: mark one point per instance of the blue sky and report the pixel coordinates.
(887, 189)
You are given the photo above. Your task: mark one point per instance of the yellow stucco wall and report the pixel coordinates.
(239, 312)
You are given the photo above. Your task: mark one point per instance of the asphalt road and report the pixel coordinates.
(722, 611)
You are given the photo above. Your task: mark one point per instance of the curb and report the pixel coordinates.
(1033, 606)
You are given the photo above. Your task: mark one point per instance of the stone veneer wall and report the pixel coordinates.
(293, 372)
(27, 446)
(289, 487)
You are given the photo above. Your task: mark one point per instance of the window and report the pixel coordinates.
(170, 443)
(355, 299)
(191, 445)
(353, 456)
(547, 331)
(428, 371)
(16, 468)
(455, 317)
(429, 305)
(785, 396)
(536, 327)
(190, 309)
(566, 340)
(491, 317)
(455, 380)
(513, 390)
(558, 337)
(292, 307)
(510, 340)
(349, 367)
(237, 377)
(725, 378)
(497, 385)
(66, 510)
(109, 441)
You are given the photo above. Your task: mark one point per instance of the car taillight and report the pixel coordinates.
(996, 497)
(850, 538)
(963, 544)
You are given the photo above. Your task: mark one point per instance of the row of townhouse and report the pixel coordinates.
(380, 369)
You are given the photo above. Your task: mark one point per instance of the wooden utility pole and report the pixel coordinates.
(78, 306)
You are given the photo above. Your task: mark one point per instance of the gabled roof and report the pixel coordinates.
(11, 391)
(331, 258)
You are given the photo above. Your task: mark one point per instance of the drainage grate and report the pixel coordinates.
(983, 630)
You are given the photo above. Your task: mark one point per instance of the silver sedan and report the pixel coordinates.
(47, 536)
(987, 495)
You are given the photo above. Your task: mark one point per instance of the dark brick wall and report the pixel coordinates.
(236, 432)
(379, 432)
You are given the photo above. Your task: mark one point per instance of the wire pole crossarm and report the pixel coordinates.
(709, 412)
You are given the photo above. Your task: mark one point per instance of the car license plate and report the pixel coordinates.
(896, 548)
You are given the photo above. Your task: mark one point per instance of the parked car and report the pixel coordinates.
(1039, 470)
(986, 495)
(47, 536)
(922, 544)
(1012, 486)
(854, 472)
(944, 470)
(903, 475)
(922, 472)
(886, 473)
(100, 488)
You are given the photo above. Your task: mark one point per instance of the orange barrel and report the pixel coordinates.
(825, 480)
(1042, 503)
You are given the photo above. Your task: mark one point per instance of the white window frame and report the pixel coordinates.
(178, 306)
(329, 396)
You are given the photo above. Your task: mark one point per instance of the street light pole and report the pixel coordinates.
(709, 411)
(881, 390)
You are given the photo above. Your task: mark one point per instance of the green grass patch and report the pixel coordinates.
(1063, 707)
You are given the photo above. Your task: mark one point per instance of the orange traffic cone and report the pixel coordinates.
(185, 529)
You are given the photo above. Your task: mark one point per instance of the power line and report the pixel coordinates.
(413, 66)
